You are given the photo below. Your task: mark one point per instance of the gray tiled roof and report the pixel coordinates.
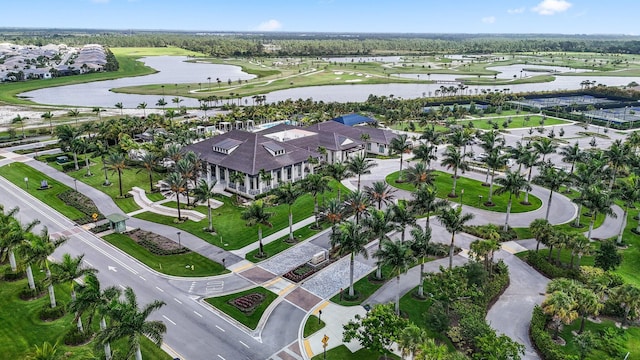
(251, 155)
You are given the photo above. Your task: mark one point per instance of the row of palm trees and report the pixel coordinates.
(125, 319)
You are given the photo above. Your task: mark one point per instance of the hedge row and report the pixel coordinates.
(540, 263)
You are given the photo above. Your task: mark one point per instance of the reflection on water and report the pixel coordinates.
(173, 70)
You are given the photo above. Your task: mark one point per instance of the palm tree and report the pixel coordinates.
(119, 105)
(572, 154)
(255, 214)
(628, 191)
(36, 250)
(74, 113)
(359, 165)
(553, 180)
(421, 247)
(176, 184)
(398, 257)
(617, 156)
(403, 217)
(420, 174)
(67, 271)
(48, 115)
(399, 145)
(454, 159)
(236, 178)
(287, 194)
(380, 193)
(316, 184)
(357, 203)
(410, 339)
(91, 300)
(353, 240)
(13, 235)
(580, 246)
(561, 307)
(529, 160)
(203, 192)
(540, 229)
(115, 161)
(628, 296)
(46, 352)
(512, 183)
(339, 171)
(494, 161)
(20, 120)
(149, 161)
(127, 321)
(143, 106)
(162, 102)
(333, 212)
(188, 168)
(425, 201)
(582, 178)
(598, 201)
(379, 224)
(544, 146)
(454, 221)
(425, 153)
(587, 303)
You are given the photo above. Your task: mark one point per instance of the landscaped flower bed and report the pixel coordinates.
(300, 273)
(157, 244)
(82, 203)
(248, 303)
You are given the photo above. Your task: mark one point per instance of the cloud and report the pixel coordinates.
(488, 19)
(550, 7)
(270, 25)
(516, 11)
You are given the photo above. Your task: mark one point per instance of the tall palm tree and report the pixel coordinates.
(380, 193)
(256, 214)
(357, 203)
(176, 184)
(334, 212)
(236, 178)
(421, 247)
(402, 216)
(20, 120)
(67, 271)
(338, 171)
(628, 191)
(316, 184)
(540, 229)
(453, 159)
(580, 246)
(454, 221)
(287, 194)
(582, 179)
(12, 236)
(48, 115)
(203, 192)
(420, 174)
(398, 257)
(587, 304)
(352, 239)
(36, 250)
(598, 201)
(572, 154)
(143, 106)
(425, 201)
(119, 105)
(149, 161)
(529, 160)
(91, 301)
(379, 224)
(359, 165)
(628, 296)
(399, 145)
(130, 322)
(561, 307)
(518, 151)
(544, 146)
(512, 183)
(494, 161)
(115, 162)
(410, 339)
(553, 180)
(617, 156)
(425, 153)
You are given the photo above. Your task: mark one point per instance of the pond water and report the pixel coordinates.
(174, 70)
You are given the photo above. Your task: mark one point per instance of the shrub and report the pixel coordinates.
(48, 314)
(75, 337)
(541, 339)
(100, 228)
(300, 273)
(486, 232)
(30, 294)
(154, 248)
(82, 203)
(13, 276)
(540, 263)
(248, 303)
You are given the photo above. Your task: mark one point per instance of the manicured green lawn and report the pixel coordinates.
(17, 172)
(343, 353)
(21, 328)
(312, 325)
(518, 121)
(415, 310)
(155, 196)
(631, 337)
(251, 321)
(176, 265)
(275, 247)
(363, 288)
(473, 189)
(232, 229)
(631, 255)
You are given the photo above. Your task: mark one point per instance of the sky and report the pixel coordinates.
(383, 16)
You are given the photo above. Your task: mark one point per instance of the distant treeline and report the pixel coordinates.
(329, 44)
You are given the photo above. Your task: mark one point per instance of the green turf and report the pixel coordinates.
(343, 353)
(312, 326)
(472, 190)
(631, 255)
(364, 288)
(155, 196)
(251, 321)
(176, 265)
(518, 121)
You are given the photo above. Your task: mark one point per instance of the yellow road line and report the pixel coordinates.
(272, 282)
(283, 291)
(322, 306)
(243, 268)
(307, 348)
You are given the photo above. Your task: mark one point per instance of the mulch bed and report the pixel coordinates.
(157, 244)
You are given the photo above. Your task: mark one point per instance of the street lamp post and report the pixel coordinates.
(75, 184)
(461, 193)
(479, 200)
(26, 181)
(179, 243)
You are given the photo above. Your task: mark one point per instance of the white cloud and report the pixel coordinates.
(269, 25)
(516, 11)
(488, 19)
(550, 7)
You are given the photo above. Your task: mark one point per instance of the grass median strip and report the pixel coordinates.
(312, 326)
(189, 265)
(248, 319)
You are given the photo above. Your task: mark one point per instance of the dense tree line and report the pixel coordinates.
(322, 44)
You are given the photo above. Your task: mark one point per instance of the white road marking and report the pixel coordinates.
(245, 345)
(221, 357)
(221, 329)
(122, 286)
(88, 263)
(178, 301)
(169, 320)
(159, 289)
(142, 278)
(197, 313)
